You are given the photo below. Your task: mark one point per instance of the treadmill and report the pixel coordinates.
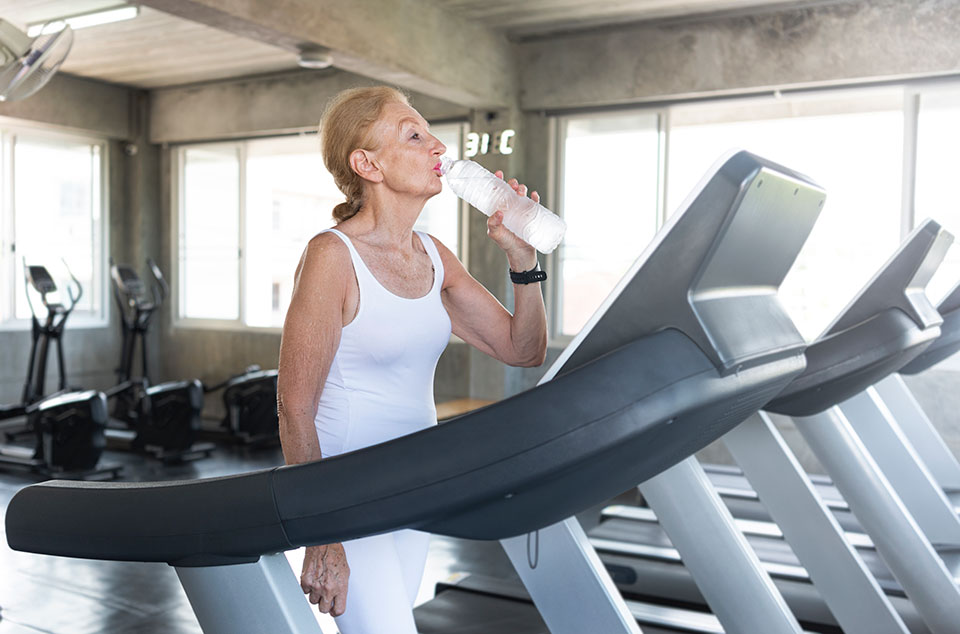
(910, 418)
(160, 420)
(889, 324)
(690, 343)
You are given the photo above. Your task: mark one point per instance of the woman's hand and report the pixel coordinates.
(324, 578)
(521, 255)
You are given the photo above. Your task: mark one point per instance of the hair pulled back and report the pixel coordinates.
(344, 127)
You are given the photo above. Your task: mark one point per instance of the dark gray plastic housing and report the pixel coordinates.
(887, 324)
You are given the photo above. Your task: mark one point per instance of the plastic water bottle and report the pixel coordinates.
(532, 222)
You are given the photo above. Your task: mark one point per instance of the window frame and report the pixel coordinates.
(10, 130)
(912, 96)
(177, 165)
(556, 167)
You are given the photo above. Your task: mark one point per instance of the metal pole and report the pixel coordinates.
(913, 421)
(899, 541)
(567, 581)
(724, 566)
(836, 569)
(249, 598)
(902, 467)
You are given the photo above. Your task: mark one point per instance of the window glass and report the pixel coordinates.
(57, 217)
(289, 198)
(851, 146)
(938, 137)
(609, 190)
(210, 233)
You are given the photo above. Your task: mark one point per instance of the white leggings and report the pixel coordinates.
(385, 575)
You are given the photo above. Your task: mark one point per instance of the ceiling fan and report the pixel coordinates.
(27, 63)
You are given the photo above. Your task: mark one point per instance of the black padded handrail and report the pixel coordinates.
(887, 324)
(574, 441)
(649, 385)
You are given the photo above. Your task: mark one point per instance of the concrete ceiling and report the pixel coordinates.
(542, 17)
(153, 50)
(176, 42)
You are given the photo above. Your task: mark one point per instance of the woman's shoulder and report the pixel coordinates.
(452, 267)
(441, 247)
(326, 250)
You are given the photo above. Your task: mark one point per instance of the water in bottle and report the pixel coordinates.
(532, 222)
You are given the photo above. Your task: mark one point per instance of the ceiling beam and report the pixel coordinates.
(409, 43)
(821, 45)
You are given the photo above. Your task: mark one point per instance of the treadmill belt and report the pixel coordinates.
(769, 550)
(456, 611)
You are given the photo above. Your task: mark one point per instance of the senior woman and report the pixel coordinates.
(373, 306)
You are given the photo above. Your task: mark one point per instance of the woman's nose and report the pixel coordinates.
(440, 149)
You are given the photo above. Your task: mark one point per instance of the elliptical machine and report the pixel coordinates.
(50, 331)
(250, 405)
(249, 398)
(162, 420)
(68, 426)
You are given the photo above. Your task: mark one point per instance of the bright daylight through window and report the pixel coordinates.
(607, 227)
(55, 218)
(247, 210)
(938, 137)
(851, 144)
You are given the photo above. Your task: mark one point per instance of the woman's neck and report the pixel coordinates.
(387, 219)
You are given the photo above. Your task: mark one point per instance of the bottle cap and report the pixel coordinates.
(445, 164)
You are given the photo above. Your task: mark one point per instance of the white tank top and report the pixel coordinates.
(380, 384)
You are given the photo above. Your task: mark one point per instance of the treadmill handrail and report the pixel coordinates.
(901, 281)
(662, 381)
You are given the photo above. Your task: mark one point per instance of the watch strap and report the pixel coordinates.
(528, 277)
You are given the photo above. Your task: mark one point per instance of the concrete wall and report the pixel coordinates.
(841, 43)
(283, 103)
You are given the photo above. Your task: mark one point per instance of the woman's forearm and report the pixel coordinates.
(528, 327)
(298, 437)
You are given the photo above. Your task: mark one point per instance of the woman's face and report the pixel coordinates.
(408, 155)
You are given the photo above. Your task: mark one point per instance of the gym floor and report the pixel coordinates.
(75, 596)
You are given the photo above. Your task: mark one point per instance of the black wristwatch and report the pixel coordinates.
(528, 277)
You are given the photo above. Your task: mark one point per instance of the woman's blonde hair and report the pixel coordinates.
(346, 126)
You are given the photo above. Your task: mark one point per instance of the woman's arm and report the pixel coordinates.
(311, 335)
(479, 319)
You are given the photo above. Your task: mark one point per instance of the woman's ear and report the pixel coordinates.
(365, 166)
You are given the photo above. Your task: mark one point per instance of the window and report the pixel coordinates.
(52, 215)
(615, 221)
(850, 145)
(938, 137)
(619, 176)
(289, 196)
(210, 233)
(247, 210)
